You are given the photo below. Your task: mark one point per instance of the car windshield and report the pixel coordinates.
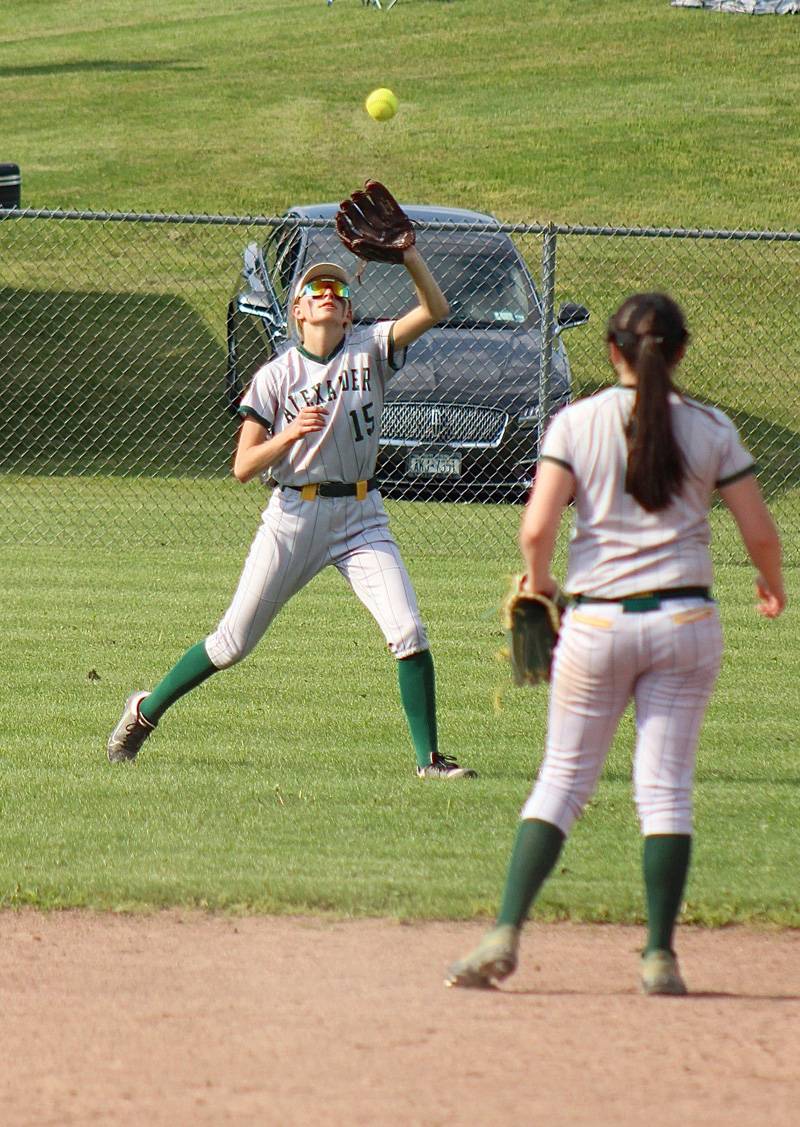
(481, 275)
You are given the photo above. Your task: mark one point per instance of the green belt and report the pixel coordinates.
(648, 600)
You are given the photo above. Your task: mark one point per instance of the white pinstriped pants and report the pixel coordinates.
(667, 661)
(295, 541)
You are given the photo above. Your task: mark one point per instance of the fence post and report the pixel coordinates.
(548, 326)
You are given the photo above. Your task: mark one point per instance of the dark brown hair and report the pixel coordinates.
(649, 330)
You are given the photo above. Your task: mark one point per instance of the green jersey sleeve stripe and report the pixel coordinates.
(249, 413)
(395, 363)
(736, 476)
(556, 461)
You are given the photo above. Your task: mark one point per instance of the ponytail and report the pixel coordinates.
(649, 330)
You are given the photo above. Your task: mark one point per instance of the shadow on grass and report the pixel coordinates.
(775, 448)
(110, 383)
(83, 65)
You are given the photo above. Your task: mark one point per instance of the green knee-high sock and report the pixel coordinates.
(535, 852)
(418, 694)
(193, 668)
(666, 865)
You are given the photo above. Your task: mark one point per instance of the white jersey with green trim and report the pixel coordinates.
(349, 383)
(617, 547)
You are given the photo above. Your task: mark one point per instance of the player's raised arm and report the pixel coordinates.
(433, 306)
(374, 227)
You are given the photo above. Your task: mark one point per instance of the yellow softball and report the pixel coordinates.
(381, 104)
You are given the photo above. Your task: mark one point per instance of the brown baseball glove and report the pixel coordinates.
(373, 226)
(532, 623)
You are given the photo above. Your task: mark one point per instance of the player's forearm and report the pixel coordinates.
(537, 542)
(757, 529)
(429, 294)
(253, 459)
(552, 489)
(764, 550)
(537, 552)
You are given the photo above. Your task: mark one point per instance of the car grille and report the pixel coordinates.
(442, 424)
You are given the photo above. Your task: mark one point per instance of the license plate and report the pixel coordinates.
(433, 465)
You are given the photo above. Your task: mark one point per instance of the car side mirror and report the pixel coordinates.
(276, 324)
(258, 305)
(570, 315)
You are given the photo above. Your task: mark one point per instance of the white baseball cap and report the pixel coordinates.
(318, 270)
(321, 270)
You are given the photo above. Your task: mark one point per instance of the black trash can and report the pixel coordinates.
(10, 185)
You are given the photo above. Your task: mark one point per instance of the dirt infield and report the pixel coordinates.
(193, 1019)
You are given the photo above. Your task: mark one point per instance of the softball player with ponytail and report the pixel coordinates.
(641, 462)
(312, 417)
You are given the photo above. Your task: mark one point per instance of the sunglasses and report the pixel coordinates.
(318, 287)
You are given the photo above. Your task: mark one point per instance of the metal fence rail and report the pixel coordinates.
(125, 338)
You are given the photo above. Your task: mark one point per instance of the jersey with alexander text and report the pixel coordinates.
(350, 384)
(617, 547)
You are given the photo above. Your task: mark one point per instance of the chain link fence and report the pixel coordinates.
(126, 340)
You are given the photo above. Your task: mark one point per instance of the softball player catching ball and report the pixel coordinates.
(312, 418)
(641, 462)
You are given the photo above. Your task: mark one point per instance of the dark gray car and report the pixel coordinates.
(462, 418)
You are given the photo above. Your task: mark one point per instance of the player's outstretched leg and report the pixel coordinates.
(144, 710)
(130, 733)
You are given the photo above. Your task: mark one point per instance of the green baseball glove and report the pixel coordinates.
(532, 624)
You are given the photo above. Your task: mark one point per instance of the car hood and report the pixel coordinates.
(478, 366)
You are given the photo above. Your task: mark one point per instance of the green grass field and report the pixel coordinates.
(286, 784)
(577, 112)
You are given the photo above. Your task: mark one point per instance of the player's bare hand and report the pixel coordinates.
(309, 420)
(547, 586)
(770, 603)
